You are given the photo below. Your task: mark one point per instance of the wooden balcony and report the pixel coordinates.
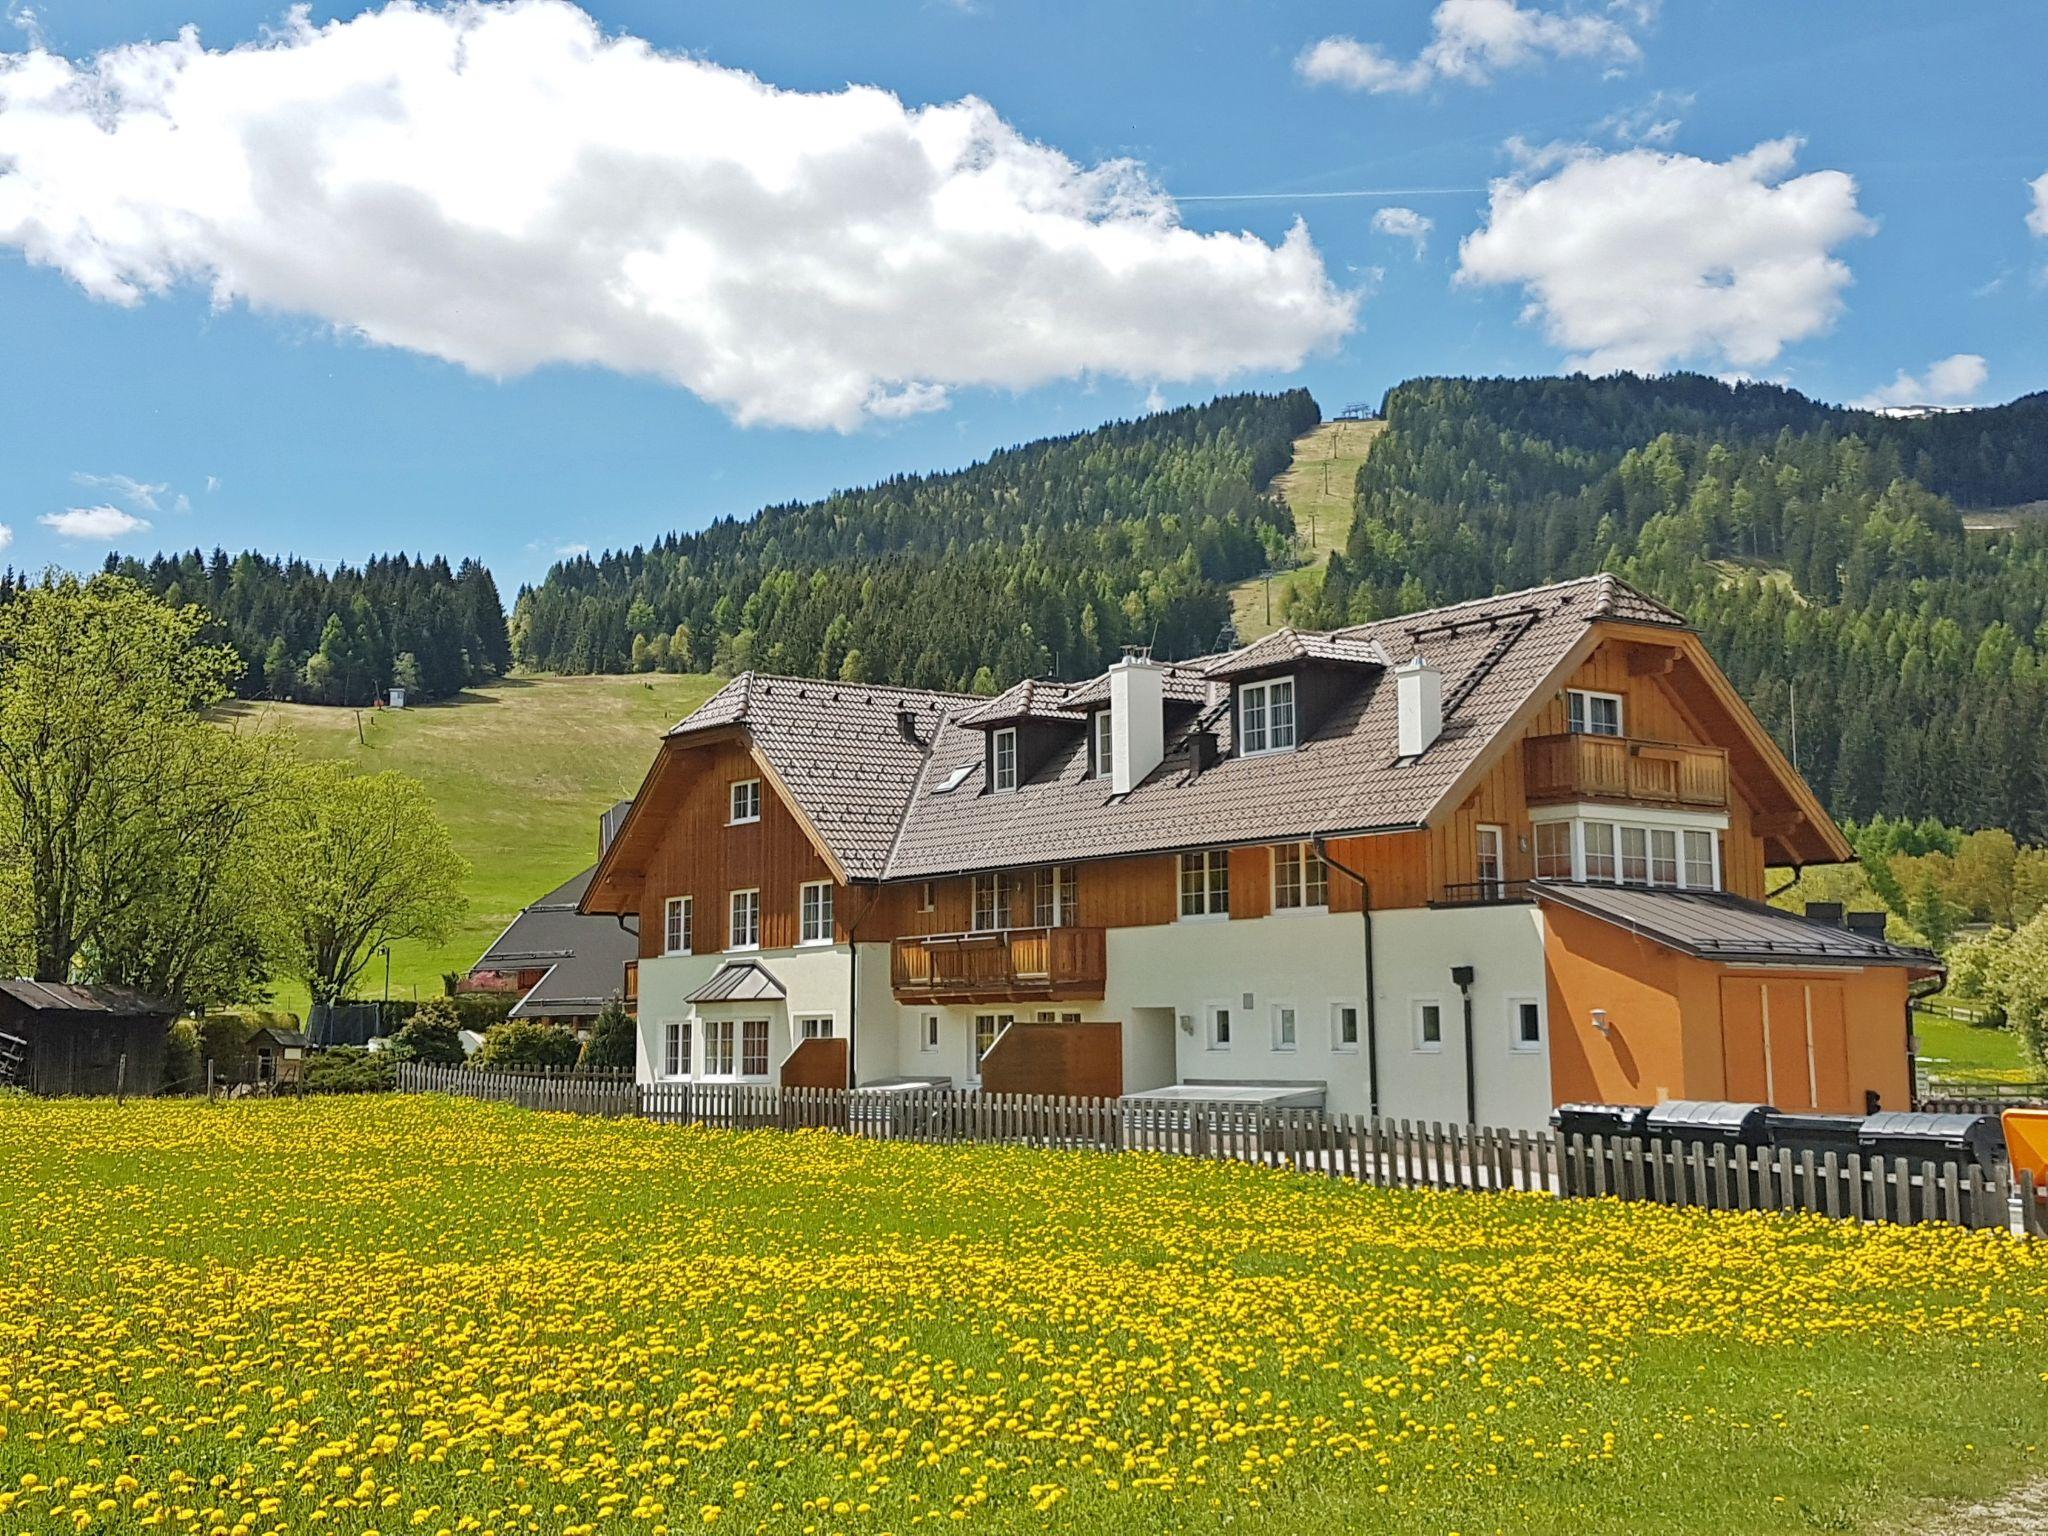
(1010, 965)
(1620, 768)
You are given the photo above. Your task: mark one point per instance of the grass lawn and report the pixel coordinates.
(1971, 1053)
(1318, 487)
(420, 1314)
(520, 770)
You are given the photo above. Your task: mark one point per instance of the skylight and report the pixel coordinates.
(954, 779)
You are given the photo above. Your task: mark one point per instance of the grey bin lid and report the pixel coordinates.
(1709, 1120)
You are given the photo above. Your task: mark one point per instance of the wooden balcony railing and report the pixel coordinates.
(1009, 964)
(1581, 767)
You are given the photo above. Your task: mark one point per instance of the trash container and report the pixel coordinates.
(1611, 1121)
(1920, 1137)
(1818, 1134)
(1711, 1121)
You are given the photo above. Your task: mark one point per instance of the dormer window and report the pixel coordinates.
(1265, 717)
(745, 803)
(1103, 732)
(1002, 759)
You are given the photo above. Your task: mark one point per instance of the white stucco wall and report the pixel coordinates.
(815, 977)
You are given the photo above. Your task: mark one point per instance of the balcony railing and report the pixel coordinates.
(1485, 893)
(1584, 767)
(1008, 964)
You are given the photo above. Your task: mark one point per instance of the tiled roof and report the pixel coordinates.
(1181, 682)
(1032, 699)
(1290, 647)
(585, 956)
(1714, 925)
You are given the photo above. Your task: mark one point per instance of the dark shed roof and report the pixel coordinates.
(64, 997)
(1714, 925)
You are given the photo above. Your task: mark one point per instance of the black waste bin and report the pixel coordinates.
(1711, 1121)
(1615, 1122)
(1818, 1134)
(1920, 1138)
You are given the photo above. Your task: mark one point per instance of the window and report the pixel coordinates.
(675, 1049)
(743, 931)
(814, 913)
(678, 928)
(1265, 717)
(1600, 850)
(1205, 884)
(1429, 1024)
(1053, 893)
(718, 1052)
(1301, 880)
(1553, 850)
(1525, 1024)
(987, 1028)
(1003, 760)
(1343, 1026)
(1493, 869)
(815, 1026)
(988, 903)
(1105, 742)
(746, 802)
(1219, 1027)
(1635, 856)
(754, 1048)
(1699, 861)
(928, 896)
(1284, 1027)
(1593, 714)
(1663, 856)
(928, 1032)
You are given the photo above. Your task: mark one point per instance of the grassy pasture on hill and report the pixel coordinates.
(1318, 487)
(520, 769)
(482, 1319)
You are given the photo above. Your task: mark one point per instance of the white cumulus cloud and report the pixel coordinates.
(6, 535)
(2037, 220)
(1473, 40)
(504, 186)
(1404, 224)
(101, 524)
(1951, 381)
(1643, 259)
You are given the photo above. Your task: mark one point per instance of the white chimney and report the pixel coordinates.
(1137, 720)
(1419, 694)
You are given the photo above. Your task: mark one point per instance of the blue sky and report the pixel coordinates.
(465, 349)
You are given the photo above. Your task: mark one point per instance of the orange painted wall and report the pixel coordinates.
(1684, 1028)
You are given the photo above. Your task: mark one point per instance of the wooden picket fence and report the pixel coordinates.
(1945, 1097)
(1392, 1154)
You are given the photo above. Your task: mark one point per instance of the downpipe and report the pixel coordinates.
(1371, 1019)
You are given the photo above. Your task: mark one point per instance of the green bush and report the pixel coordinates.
(526, 1043)
(610, 1046)
(350, 1069)
(432, 1035)
(184, 1067)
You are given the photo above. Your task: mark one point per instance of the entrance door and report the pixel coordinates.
(1784, 1042)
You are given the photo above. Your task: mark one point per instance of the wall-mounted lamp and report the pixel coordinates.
(1601, 1023)
(1187, 1023)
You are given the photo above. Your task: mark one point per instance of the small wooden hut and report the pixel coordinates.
(86, 1040)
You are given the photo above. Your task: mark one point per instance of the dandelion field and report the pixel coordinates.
(399, 1315)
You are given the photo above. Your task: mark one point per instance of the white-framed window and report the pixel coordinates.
(1286, 1027)
(1103, 731)
(1600, 857)
(1219, 1026)
(745, 803)
(1343, 1026)
(1493, 861)
(814, 1026)
(1554, 850)
(1525, 1024)
(1301, 880)
(678, 925)
(1205, 883)
(1663, 856)
(1699, 861)
(987, 1027)
(988, 914)
(1592, 714)
(719, 1055)
(743, 921)
(814, 912)
(1631, 853)
(928, 896)
(928, 1032)
(1429, 1024)
(1265, 717)
(1002, 775)
(1635, 855)
(1055, 896)
(675, 1048)
(753, 1048)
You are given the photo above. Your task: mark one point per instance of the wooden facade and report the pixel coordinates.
(86, 1040)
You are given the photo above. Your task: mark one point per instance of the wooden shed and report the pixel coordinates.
(275, 1055)
(78, 1037)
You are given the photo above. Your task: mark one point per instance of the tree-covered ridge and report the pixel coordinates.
(1818, 550)
(1044, 558)
(343, 636)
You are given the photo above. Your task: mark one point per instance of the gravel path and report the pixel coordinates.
(2022, 1512)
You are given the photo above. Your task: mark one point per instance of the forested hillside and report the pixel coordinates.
(1043, 559)
(343, 636)
(1819, 550)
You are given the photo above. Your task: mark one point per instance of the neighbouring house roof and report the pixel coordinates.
(1713, 925)
(584, 957)
(1183, 683)
(740, 981)
(67, 997)
(1292, 647)
(1032, 699)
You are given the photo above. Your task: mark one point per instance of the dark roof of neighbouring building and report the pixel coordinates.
(1713, 925)
(68, 997)
(584, 957)
(740, 981)
(277, 1035)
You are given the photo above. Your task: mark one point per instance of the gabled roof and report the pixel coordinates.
(1032, 699)
(1181, 682)
(1292, 647)
(740, 981)
(585, 957)
(1713, 925)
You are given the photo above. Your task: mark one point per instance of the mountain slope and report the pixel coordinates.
(1317, 487)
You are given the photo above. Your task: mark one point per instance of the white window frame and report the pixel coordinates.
(764, 1031)
(750, 790)
(679, 925)
(1289, 1040)
(975, 1050)
(802, 1026)
(1516, 1044)
(721, 1038)
(677, 1042)
(1102, 742)
(1577, 818)
(1421, 1045)
(1686, 861)
(928, 896)
(1339, 1006)
(808, 931)
(1207, 910)
(998, 781)
(1212, 1015)
(928, 1032)
(1264, 738)
(1571, 850)
(990, 883)
(1055, 896)
(1496, 883)
(1301, 888)
(1578, 712)
(732, 924)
